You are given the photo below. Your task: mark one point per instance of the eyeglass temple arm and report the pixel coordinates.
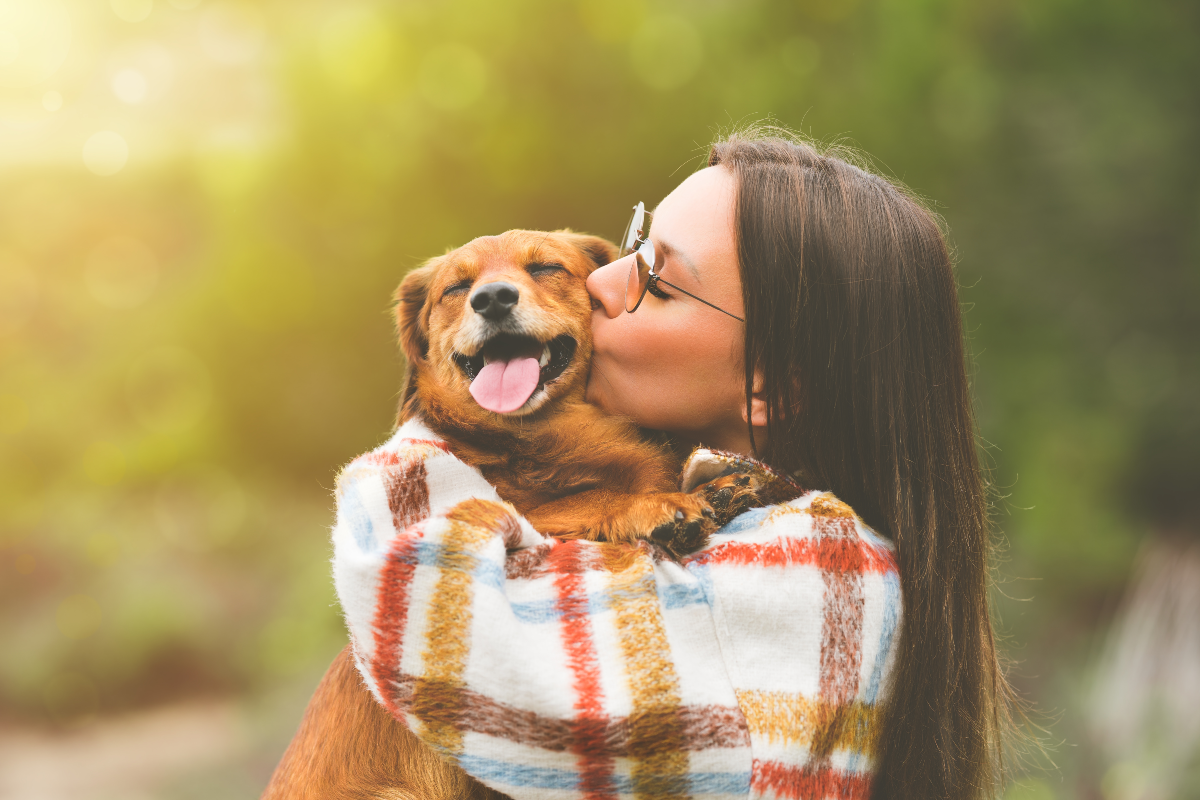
(702, 300)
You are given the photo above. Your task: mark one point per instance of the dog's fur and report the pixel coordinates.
(572, 470)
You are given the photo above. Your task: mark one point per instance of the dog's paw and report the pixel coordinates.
(684, 523)
(730, 495)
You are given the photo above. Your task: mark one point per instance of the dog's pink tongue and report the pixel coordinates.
(504, 386)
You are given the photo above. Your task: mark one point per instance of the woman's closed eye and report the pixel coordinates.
(656, 289)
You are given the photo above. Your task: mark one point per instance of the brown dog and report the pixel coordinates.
(498, 339)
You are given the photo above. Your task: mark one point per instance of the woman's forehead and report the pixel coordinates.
(705, 196)
(696, 219)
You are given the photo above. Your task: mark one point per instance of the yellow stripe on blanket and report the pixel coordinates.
(655, 730)
(438, 699)
(788, 718)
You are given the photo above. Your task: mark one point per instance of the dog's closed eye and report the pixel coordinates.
(548, 268)
(456, 289)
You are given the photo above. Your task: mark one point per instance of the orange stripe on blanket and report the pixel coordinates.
(838, 555)
(589, 727)
(437, 701)
(810, 783)
(655, 725)
(391, 616)
(406, 484)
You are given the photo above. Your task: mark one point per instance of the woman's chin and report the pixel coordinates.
(595, 395)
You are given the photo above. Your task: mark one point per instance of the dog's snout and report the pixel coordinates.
(495, 300)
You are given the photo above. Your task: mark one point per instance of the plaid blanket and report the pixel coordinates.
(551, 669)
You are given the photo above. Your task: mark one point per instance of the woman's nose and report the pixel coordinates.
(606, 285)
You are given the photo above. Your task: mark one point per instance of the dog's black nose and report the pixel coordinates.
(495, 300)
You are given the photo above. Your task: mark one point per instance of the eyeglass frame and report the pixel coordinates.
(641, 236)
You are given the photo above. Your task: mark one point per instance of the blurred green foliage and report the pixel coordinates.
(192, 345)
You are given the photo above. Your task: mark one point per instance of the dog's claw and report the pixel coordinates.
(679, 516)
(729, 496)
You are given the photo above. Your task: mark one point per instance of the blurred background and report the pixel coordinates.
(205, 207)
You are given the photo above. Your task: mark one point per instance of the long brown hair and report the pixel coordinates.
(852, 319)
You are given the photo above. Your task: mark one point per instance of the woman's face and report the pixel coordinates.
(676, 364)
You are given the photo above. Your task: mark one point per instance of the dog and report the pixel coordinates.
(497, 334)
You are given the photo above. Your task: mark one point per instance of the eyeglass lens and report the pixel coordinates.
(636, 239)
(631, 232)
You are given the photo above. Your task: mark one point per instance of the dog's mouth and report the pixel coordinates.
(509, 369)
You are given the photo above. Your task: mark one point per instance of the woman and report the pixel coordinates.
(858, 386)
(801, 311)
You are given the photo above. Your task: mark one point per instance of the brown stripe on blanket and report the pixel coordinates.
(527, 563)
(841, 629)
(702, 727)
(407, 488)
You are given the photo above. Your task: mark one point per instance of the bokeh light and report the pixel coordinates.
(105, 152)
(129, 86)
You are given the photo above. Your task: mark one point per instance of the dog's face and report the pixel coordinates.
(501, 327)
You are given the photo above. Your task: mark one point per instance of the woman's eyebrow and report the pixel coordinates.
(670, 251)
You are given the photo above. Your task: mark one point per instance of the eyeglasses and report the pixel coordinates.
(642, 277)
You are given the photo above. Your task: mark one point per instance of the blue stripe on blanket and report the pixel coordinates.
(484, 569)
(891, 614)
(353, 512)
(746, 521)
(702, 572)
(675, 595)
(501, 772)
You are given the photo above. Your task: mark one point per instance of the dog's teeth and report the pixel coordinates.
(545, 359)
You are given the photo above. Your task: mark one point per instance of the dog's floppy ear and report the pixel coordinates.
(414, 339)
(410, 303)
(599, 251)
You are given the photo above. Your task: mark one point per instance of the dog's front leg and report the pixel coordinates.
(681, 523)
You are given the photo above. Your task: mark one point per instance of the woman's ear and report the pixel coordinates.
(599, 251)
(757, 413)
(410, 306)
